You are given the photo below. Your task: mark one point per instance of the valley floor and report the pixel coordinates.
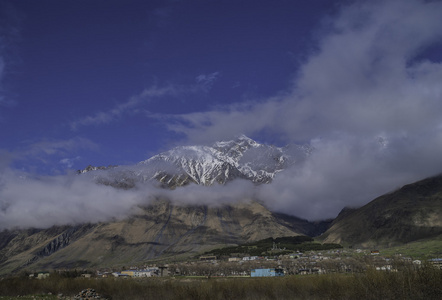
(408, 283)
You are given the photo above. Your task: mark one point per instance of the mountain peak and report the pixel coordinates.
(224, 161)
(221, 162)
(243, 137)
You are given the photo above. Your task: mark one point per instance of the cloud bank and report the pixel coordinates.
(368, 100)
(57, 200)
(367, 77)
(43, 201)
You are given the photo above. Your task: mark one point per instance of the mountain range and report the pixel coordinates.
(162, 229)
(242, 158)
(165, 229)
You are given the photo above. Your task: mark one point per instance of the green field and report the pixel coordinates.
(264, 247)
(423, 249)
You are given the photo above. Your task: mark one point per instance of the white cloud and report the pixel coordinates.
(135, 103)
(127, 107)
(57, 147)
(43, 201)
(351, 171)
(27, 201)
(206, 81)
(241, 118)
(48, 152)
(366, 80)
(69, 162)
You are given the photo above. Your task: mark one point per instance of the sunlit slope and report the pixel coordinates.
(160, 230)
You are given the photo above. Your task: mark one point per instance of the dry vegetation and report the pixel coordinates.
(408, 283)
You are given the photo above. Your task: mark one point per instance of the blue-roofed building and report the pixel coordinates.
(274, 272)
(437, 262)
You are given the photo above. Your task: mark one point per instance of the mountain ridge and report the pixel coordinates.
(410, 213)
(224, 161)
(159, 230)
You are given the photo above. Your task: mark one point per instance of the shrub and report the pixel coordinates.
(407, 283)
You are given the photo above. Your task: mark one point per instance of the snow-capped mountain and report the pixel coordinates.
(206, 165)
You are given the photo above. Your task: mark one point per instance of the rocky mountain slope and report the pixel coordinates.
(162, 229)
(411, 213)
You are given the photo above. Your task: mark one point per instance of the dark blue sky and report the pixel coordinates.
(67, 60)
(114, 82)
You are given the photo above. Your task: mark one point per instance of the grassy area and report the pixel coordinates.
(32, 297)
(423, 283)
(284, 245)
(418, 250)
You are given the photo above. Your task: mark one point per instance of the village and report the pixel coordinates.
(311, 262)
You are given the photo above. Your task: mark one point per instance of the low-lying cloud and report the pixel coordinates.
(350, 171)
(43, 201)
(368, 100)
(27, 201)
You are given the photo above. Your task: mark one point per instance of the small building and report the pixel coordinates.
(42, 275)
(154, 271)
(374, 252)
(102, 274)
(273, 272)
(130, 273)
(207, 258)
(146, 272)
(303, 271)
(247, 258)
(118, 274)
(231, 259)
(436, 262)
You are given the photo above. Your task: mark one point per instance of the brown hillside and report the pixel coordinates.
(162, 229)
(408, 214)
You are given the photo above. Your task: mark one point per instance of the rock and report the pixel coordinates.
(88, 294)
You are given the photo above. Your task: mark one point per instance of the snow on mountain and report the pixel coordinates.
(206, 165)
